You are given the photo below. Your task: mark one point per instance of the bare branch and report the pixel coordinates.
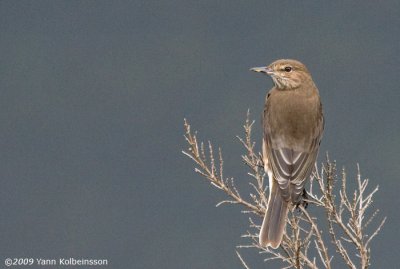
(346, 214)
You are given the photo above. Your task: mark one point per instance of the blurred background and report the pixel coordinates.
(92, 100)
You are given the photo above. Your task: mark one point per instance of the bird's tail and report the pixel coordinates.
(274, 223)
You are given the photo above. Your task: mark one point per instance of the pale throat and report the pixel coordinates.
(283, 83)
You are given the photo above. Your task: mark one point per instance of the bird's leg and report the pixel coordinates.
(260, 162)
(303, 200)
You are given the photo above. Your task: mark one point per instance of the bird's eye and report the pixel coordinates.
(288, 69)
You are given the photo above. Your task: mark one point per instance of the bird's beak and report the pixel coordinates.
(264, 69)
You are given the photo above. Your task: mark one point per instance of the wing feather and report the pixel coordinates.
(291, 168)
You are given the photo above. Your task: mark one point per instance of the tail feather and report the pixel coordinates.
(274, 222)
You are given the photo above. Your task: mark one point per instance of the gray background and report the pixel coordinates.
(93, 96)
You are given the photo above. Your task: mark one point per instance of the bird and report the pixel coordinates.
(293, 124)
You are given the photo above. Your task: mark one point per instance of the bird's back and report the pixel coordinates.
(291, 119)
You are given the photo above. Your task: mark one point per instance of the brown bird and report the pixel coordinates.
(293, 124)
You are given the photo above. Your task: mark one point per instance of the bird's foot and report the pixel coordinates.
(303, 201)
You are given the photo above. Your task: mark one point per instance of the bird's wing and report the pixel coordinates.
(291, 168)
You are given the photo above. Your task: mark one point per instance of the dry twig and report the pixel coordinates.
(346, 215)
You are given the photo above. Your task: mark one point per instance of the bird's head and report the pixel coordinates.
(286, 74)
